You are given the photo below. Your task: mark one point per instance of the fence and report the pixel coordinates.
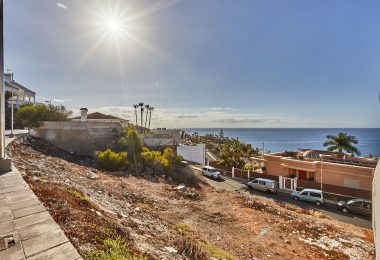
(241, 174)
(332, 192)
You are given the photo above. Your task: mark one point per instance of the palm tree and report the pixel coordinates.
(342, 142)
(147, 108)
(150, 115)
(135, 107)
(141, 105)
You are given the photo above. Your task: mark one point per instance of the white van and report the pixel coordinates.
(211, 172)
(264, 185)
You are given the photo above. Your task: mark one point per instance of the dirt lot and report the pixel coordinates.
(156, 216)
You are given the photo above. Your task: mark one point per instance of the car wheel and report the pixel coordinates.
(345, 210)
(295, 198)
(318, 203)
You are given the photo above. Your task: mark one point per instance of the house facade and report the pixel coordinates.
(21, 93)
(333, 172)
(99, 117)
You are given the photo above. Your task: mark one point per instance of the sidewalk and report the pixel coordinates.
(30, 231)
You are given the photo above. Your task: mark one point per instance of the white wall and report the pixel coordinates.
(376, 209)
(194, 153)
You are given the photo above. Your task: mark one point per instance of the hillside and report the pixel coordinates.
(160, 219)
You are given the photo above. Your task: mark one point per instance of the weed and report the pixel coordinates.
(183, 228)
(76, 194)
(216, 252)
(114, 249)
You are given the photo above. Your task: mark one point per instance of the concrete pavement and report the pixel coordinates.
(27, 231)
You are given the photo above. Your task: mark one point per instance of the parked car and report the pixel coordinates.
(358, 206)
(310, 195)
(264, 185)
(211, 172)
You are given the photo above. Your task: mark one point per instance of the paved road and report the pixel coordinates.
(331, 211)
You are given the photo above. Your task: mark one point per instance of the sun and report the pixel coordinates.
(114, 25)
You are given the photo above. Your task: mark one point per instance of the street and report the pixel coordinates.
(328, 210)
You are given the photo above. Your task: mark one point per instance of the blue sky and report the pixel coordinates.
(214, 63)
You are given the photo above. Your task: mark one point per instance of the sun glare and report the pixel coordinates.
(113, 25)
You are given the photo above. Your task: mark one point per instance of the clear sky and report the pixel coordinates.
(214, 63)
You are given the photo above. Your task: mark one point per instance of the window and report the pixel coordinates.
(356, 204)
(255, 181)
(314, 194)
(304, 193)
(262, 182)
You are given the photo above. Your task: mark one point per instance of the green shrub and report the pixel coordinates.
(33, 115)
(114, 249)
(131, 141)
(164, 162)
(112, 161)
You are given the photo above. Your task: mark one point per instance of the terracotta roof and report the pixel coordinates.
(98, 115)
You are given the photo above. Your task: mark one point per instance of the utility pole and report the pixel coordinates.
(5, 163)
(12, 106)
(2, 91)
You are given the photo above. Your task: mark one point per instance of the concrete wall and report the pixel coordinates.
(376, 209)
(174, 133)
(82, 138)
(158, 140)
(194, 153)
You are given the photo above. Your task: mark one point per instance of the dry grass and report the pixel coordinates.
(191, 249)
(316, 213)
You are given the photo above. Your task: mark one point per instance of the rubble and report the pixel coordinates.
(145, 212)
(91, 176)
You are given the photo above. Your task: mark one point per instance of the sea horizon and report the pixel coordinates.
(286, 138)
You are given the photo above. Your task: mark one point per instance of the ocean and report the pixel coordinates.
(281, 139)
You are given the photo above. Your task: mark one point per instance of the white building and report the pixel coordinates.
(21, 94)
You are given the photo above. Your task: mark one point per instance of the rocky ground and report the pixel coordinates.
(165, 220)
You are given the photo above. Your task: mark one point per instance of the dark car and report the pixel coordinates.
(358, 206)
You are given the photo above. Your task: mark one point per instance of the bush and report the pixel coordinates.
(184, 174)
(33, 115)
(131, 140)
(112, 161)
(164, 162)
